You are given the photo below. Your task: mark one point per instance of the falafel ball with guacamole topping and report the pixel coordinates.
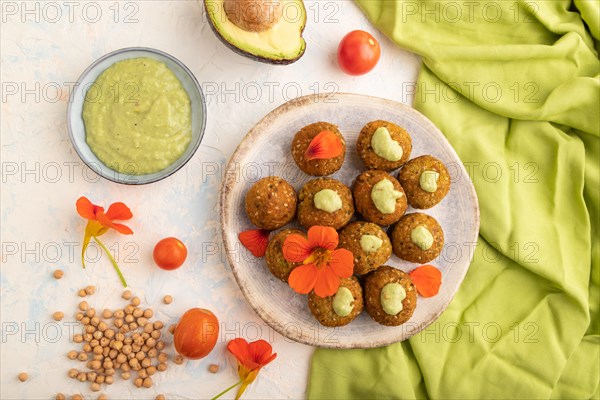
(271, 203)
(379, 197)
(368, 243)
(417, 238)
(278, 265)
(319, 149)
(425, 180)
(341, 308)
(390, 296)
(383, 145)
(325, 202)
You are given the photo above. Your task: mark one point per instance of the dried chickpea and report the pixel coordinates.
(58, 274)
(121, 358)
(98, 357)
(84, 306)
(155, 334)
(151, 342)
(178, 359)
(100, 379)
(96, 364)
(94, 342)
(98, 349)
(125, 367)
(125, 375)
(118, 322)
(151, 370)
(126, 295)
(129, 318)
(133, 326)
(60, 396)
(148, 328)
(106, 313)
(119, 314)
(102, 326)
(142, 321)
(129, 309)
(152, 353)
(77, 397)
(90, 313)
(147, 383)
(73, 373)
(85, 320)
(135, 301)
(161, 367)
(91, 376)
(98, 335)
(172, 329)
(105, 351)
(146, 363)
(168, 299)
(23, 376)
(163, 357)
(90, 329)
(95, 320)
(82, 293)
(102, 397)
(142, 373)
(109, 380)
(82, 357)
(82, 377)
(90, 290)
(58, 316)
(87, 348)
(79, 316)
(160, 345)
(140, 355)
(148, 313)
(109, 333)
(137, 312)
(72, 355)
(160, 397)
(138, 382)
(213, 368)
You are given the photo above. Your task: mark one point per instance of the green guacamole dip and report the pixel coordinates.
(138, 117)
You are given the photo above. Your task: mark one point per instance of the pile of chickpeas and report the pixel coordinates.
(123, 342)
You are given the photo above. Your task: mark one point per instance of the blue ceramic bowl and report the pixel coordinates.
(77, 128)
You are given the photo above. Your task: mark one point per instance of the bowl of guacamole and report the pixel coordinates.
(136, 116)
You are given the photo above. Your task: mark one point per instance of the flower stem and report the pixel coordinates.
(112, 260)
(226, 390)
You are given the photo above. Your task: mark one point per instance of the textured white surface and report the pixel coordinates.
(45, 46)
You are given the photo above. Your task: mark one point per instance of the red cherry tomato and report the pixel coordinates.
(169, 253)
(358, 53)
(196, 333)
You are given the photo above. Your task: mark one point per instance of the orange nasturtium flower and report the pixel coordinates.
(251, 358)
(100, 222)
(323, 264)
(324, 146)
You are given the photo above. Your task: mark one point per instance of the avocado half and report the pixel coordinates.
(281, 43)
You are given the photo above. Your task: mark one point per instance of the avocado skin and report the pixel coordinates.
(247, 54)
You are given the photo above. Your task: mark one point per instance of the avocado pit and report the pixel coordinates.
(253, 15)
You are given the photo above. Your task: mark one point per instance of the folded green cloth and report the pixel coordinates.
(514, 85)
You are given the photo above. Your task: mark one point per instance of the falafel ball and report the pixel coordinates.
(368, 243)
(316, 167)
(417, 238)
(425, 180)
(326, 202)
(341, 308)
(277, 264)
(271, 203)
(390, 296)
(383, 145)
(379, 197)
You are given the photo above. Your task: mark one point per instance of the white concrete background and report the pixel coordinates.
(44, 48)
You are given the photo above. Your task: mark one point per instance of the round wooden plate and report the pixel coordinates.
(266, 151)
